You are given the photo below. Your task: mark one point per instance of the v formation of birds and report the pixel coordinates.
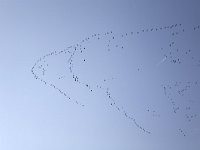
(113, 48)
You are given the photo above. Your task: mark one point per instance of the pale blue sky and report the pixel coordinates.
(36, 116)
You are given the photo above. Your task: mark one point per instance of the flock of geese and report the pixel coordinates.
(173, 55)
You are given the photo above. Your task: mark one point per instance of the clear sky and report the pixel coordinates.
(99, 75)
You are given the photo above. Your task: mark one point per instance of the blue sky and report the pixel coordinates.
(146, 59)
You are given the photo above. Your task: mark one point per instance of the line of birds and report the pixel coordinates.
(80, 48)
(173, 90)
